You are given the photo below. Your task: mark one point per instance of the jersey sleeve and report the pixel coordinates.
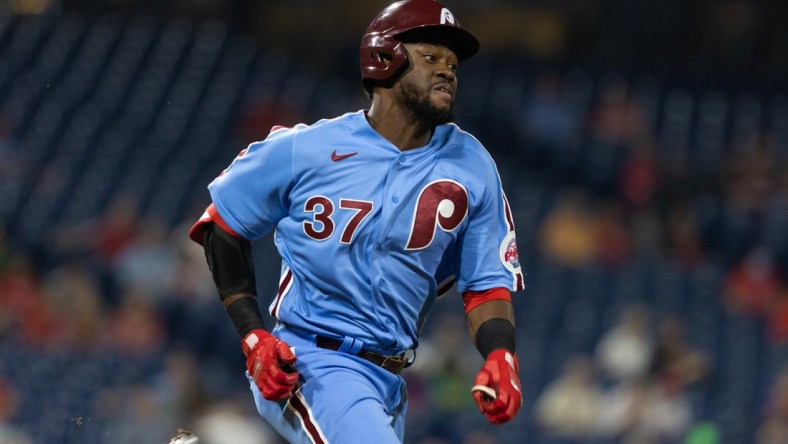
(251, 195)
(487, 255)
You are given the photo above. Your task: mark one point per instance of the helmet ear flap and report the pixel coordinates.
(381, 57)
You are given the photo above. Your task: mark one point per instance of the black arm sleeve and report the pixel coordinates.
(245, 314)
(230, 261)
(493, 334)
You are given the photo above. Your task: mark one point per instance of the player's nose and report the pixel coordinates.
(445, 71)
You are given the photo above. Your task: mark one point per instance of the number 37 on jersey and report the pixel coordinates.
(442, 204)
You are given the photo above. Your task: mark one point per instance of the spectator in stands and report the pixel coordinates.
(773, 427)
(190, 280)
(683, 237)
(178, 386)
(9, 401)
(33, 318)
(617, 119)
(617, 124)
(546, 118)
(233, 422)
(109, 234)
(651, 404)
(620, 408)
(777, 317)
(76, 297)
(568, 407)
(675, 361)
(136, 326)
(190, 297)
(568, 233)
(639, 176)
(147, 261)
(133, 414)
(751, 284)
(624, 352)
(442, 377)
(644, 410)
(115, 230)
(613, 243)
(747, 179)
(665, 415)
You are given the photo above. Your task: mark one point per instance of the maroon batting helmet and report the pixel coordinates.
(382, 53)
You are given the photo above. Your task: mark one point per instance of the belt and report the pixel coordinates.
(394, 364)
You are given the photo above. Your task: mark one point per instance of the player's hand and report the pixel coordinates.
(270, 363)
(497, 388)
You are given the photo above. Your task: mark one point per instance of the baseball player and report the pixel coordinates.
(376, 213)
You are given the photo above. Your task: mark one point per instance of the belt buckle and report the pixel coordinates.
(398, 361)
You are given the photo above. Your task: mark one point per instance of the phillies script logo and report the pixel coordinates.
(511, 256)
(441, 204)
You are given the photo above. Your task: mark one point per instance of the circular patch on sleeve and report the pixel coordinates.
(508, 253)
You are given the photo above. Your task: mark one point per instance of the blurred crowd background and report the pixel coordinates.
(643, 147)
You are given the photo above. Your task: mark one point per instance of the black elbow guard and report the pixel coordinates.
(230, 261)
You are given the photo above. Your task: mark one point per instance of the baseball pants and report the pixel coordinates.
(341, 398)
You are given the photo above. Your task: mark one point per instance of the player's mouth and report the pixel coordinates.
(444, 90)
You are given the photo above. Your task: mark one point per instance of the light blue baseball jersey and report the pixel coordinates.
(371, 235)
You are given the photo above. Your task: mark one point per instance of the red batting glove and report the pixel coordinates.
(267, 359)
(498, 377)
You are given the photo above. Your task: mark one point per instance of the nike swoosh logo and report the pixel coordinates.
(337, 157)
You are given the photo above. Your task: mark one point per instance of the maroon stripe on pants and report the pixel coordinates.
(311, 429)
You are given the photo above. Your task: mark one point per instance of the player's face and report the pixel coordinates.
(427, 89)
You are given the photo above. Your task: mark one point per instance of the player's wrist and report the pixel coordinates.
(499, 353)
(493, 335)
(244, 312)
(253, 339)
(502, 355)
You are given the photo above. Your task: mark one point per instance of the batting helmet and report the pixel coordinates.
(382, 54)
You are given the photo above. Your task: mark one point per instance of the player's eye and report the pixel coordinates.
(453, 67)
(430, 58)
